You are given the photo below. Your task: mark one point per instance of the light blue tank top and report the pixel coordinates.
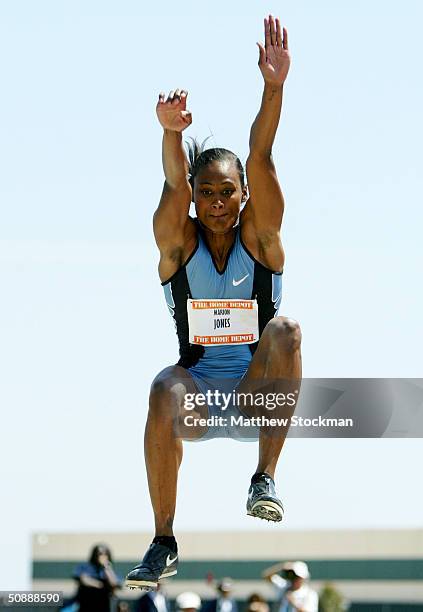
(242, 278)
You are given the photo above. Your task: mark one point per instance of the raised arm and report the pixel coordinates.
(174, 118)
(272, 571)
(171, 217)
(266, 200)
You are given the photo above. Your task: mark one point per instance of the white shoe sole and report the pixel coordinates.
(144, 585)
(267, 510)
(148, 585)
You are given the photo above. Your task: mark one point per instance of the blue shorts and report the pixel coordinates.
(225, 426)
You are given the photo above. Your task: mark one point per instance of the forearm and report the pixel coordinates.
(175, 163)
(90, 582)
(274, 569)
(263, 130)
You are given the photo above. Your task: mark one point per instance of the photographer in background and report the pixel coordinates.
(295, 594)
(223, 602)
(97, 581)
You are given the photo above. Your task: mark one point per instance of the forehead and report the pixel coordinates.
(218, 171)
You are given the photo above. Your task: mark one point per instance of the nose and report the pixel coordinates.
(217, 205)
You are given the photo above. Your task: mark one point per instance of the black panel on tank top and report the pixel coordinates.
(189, 354)
(262, 292)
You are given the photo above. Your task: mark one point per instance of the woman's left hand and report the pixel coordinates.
(274, 60)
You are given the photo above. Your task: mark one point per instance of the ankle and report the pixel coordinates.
(166, 540)
(259, 475)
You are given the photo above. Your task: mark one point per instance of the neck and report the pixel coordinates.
(219, 238)
(219, 242)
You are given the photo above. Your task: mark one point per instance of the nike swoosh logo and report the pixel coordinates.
(236, 283)
(169, 561)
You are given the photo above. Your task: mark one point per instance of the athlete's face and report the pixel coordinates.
(218, 196)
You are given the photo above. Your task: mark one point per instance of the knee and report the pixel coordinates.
(165, 391)
(284, 332)
(163, 382)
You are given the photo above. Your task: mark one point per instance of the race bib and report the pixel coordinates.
(222, 322)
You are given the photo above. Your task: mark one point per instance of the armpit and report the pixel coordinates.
(175, 254)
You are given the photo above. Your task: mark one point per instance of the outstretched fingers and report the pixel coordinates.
(274, 59)
(278, 32)
(274, 34)
(285, 39)
(267, 39)
(272, 30)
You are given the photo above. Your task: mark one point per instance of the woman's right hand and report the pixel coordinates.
(172, 112)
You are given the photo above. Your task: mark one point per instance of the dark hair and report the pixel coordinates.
(95, 552)
(255, 598)
(199, 157)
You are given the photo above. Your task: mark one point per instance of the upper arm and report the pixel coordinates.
(262, 216)
(171, 216)
(266, 201)
(79, 569)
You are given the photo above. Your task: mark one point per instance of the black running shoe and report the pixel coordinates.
(159, 562)
(262, 501)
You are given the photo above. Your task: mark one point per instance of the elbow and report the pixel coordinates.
(261, 155)
(260, 147)
(176, 183)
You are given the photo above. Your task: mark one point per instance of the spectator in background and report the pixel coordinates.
(295, 595)
(96, 580)
(152, 601)
(256, 603)
(188, 602)
(223, 602)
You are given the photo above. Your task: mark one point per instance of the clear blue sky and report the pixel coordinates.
(83, 325)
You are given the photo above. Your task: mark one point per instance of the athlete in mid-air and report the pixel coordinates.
(221, 273)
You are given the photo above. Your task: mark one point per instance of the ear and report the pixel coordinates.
(244, 196)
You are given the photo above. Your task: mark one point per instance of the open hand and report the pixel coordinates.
(274, 60)
(172, 113)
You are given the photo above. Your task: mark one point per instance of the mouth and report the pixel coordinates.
(219, 216)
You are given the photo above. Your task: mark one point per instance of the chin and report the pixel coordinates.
(220, 226)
